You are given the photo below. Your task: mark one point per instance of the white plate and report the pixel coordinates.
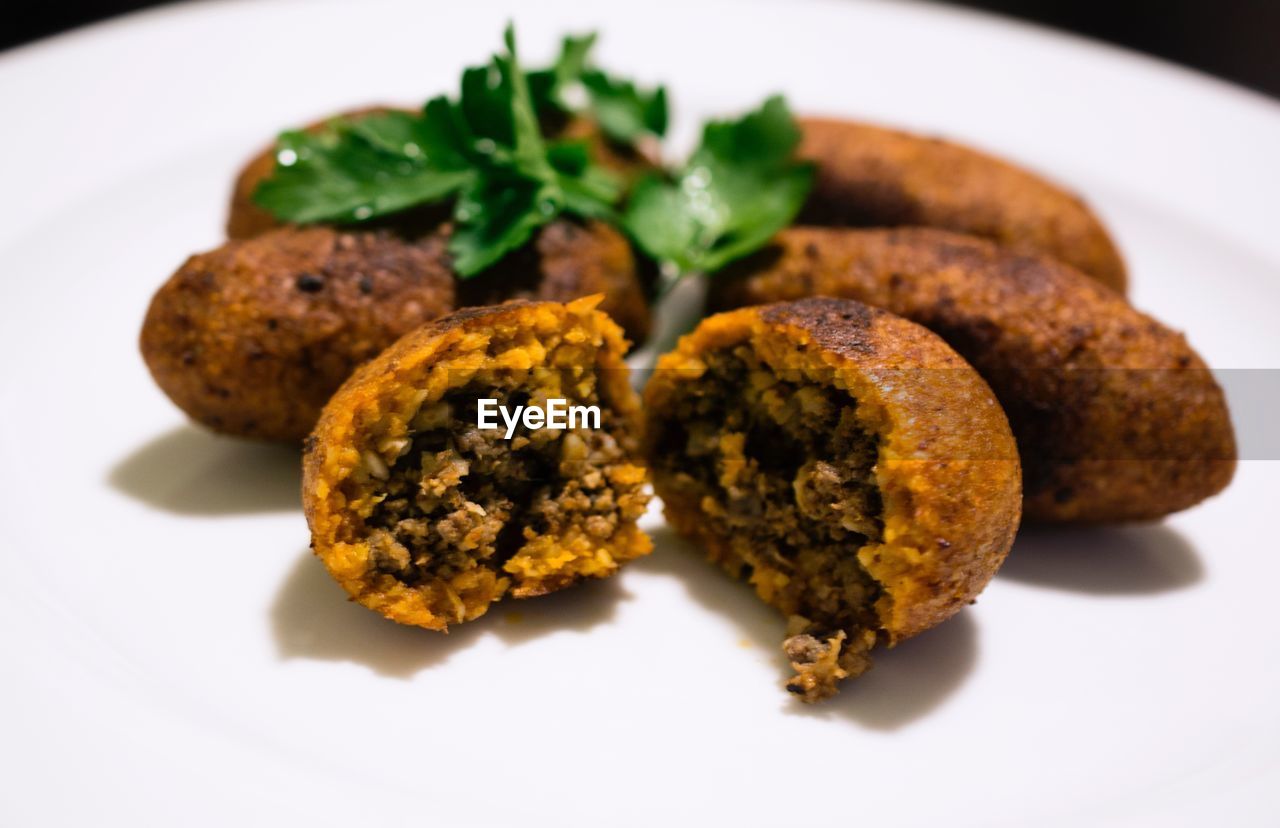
(173, 656)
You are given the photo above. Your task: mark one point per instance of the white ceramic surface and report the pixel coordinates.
(172, 655)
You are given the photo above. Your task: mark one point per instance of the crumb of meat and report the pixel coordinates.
(817, 665)
(820, 664)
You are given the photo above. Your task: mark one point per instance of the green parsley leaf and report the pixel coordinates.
(496, 215)
(357, 169)
(740, 187)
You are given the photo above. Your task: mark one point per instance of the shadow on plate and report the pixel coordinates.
(194, 472)
(1118, 560)
(906, 683)
(312, 618)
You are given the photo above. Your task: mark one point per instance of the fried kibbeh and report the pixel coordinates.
(428, 519)
(845, 462)
(870, 176)
(1117, 417)
(252, 338)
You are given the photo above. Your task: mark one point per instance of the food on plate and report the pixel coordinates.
(1117, 417)
(252, 338)
(873, 176)
(846, 462)
(427, 518)
(434, 301)
(505, 191)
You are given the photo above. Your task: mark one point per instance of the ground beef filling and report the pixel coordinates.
(459, 497)
(782, 470)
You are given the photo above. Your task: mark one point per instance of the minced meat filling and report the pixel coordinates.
(780, 467)
(459, 497)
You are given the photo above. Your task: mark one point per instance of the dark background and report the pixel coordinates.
(1235, 39)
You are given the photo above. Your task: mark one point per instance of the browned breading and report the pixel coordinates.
(250, 339)
(1117, 418)
(427, 519)
(846, 462)
(871, 176)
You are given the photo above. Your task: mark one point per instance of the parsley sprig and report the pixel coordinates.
(740, 187)
(485, 149)
(360, 168)
(485, 152)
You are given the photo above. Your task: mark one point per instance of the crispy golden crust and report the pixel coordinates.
(371, 422)
(250, 339)
(872, 176)
(1117, 418)
(946, 467)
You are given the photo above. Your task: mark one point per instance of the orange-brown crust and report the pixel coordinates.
(377, 405)
(873, 176)
(252, 338)
(1117, 418)
(947, 471)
